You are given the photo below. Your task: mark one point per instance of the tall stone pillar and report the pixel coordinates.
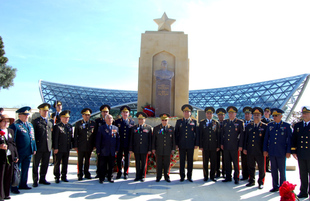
(169, 46)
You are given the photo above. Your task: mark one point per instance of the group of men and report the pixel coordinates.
(255, 138)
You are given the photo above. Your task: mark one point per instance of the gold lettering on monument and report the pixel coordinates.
(163, 90)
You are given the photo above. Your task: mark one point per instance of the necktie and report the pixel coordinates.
(305, 124)
(141, 129)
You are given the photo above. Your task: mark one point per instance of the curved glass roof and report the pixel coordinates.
(281, 93)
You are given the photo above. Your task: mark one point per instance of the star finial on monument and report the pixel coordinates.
(164, 23)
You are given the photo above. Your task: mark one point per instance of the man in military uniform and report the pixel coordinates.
(209, 133)
(55, 116)
(124, 125)
(62, 143)
(84, 142)
(232, 143)
(141, 145)
(107, 145)
(105, 109)
(163, 145)
(221, 112)
(43, 136)
(186, 139)
(266, 119)
(26, 145)
(301, 150)
(253, 147)
(244, 163)
(277, 144)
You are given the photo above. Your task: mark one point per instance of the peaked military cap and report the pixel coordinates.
(141, 115)
(221, 111)
(247, 110)
(267, 109)
(57, 103)
(257, 110)
(86, 111)
(125, 108)
(209, 109)
(44, 106)
(232, 109)
(276, 111)
(305, 109)
(187, 107)
(164, 116)
(24, 110)
(65, 113)
(105, 108)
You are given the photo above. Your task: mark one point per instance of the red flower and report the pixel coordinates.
(2, 133)
(287, 191)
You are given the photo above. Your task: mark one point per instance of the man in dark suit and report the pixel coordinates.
(163, 145)
(141, 145)
(301, 150)
(62, 143)
(221, 112)
(43, 135)
(84, 142)
(244, 162)
(232, 143)
(266, 119)
(26, 145)
(209, 133)
(186, 139)
(107, 145)
(124, 125)
(253, 147)
(58, 106)
(277, 144)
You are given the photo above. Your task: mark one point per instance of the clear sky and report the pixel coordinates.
(96, 43)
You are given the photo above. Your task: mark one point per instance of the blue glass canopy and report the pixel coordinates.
(281, 93)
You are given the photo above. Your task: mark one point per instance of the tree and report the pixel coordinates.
(7, 73)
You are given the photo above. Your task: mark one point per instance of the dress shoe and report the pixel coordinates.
(205, 179)
(88, 177)
(302, 195)
(118, 176)
(226, 180)
(236, 181)
(214, 180)
(250, 184)
(157, 180)
(260, 186)
(100, 181)
(15, 192)
(125, 176)
(64, 179)
(142, 180)
(35, 184)
(44, 182)
(136, 179)
(190, 180)
(168, 180)
(111, 180)
(80, 178)
(274, 190)
(25, 188)
(57, 180)
(182, 179)
(7, 198)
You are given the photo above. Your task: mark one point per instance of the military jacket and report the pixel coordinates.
(209, 135)
(163, 141)
(301, 141)
(84, 135)
(245, 122)
(232, 134)
(186, 134)
(62, 137)
(99, 122)
(277, 140)
(141, 140)
(43, 134)
(56, 118)
(254, 138)
(264, 120)
(124, 128)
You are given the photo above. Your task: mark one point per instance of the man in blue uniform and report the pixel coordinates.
(107, 145)
(244, 162)
(253, 147)
(232, 143)
(266, 119)
(186, 139)
(277, 144)
(301, 150)
(124, 125)
(26, 145)
(221, 112)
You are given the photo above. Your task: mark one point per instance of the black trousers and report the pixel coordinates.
(106, 165)
(218, 163)
(6, 172)
(231, 156)
(64, 158)
(81, 156)
(140, 165)
(267, 163)
(162, 161)
(260, 160)
(244, 165)
(125, 151)
(189, 155)
(212, 157)
(304, 173)
(44, 158)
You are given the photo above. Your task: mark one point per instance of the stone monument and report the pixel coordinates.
(164, 69)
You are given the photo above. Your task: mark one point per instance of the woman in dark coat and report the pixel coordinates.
(8, 154)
